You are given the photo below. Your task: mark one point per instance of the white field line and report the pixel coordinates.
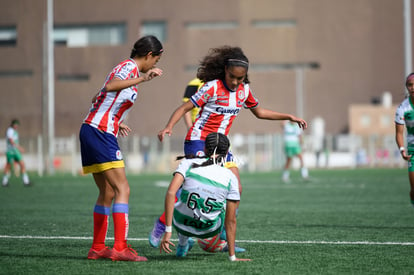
(238, 241)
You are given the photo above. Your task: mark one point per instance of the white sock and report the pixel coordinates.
(25, 178)
(286, 175)
(6, 179)
(304, 172)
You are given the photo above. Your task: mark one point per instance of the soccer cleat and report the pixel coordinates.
(105, 253)
(182, 250)
(156, 234)
(127, 254)
(191, 243)
(237, 249)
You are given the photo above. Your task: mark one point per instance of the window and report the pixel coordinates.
(273, 23)
(8, 36)
(212, 25)
(90, 35)
(156, 28)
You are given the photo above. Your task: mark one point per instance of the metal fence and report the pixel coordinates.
(253, 153)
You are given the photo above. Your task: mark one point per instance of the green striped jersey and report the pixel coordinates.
(201, 206)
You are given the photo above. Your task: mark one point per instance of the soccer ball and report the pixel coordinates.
(213, 244)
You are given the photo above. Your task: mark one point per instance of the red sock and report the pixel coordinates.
(162, 218)
(100, 226)
(121, 224)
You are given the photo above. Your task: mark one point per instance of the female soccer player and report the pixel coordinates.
(100, 151)
(405, 116)
(208, 199)
(14, 154)
(225, 92)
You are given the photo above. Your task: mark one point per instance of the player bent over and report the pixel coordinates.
(208, 199)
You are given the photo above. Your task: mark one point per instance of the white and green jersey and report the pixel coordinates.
(13, 135)
(291, 133)
(405, 116)
(201, 207)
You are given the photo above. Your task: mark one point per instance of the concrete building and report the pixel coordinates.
(313, 58)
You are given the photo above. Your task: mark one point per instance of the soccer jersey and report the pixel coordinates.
(291, 133)
(110, 108)
(200, 209)
(405, 116)
(219, 107)
(12, 134)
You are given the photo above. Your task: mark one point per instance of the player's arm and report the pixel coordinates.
(187, 116)
(399, 139)
(263, 113)
(117, 84)
(175, 184)
(175, 117)
(15, 145)
(230, 224)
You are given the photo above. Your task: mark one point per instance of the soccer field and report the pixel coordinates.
(340, 222)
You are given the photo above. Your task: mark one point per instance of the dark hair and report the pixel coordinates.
(409, 77)
(146, 44)
(216, 148)
(14, 122)
(213, 65)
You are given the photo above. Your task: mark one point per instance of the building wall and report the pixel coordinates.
(358, 45)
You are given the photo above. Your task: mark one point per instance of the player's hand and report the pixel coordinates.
(154, 72)
(405, 156)
(164, 132)
(301, 122)
(165, 243)
(124, 130)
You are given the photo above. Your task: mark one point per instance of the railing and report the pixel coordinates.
(253, 152)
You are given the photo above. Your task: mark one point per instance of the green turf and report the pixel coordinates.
(294, 228)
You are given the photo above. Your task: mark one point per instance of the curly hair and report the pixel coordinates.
(213, 65)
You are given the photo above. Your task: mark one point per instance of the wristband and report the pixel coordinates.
(402, 148)
(168, 228)
(232, 258)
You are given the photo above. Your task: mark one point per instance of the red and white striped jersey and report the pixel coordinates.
(110, 108)
(219, 107)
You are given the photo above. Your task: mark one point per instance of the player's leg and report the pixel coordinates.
(183, 245)
(22, 166)
(121, 251)
(7, 169)
(303, 170)
(101, 214)
(411, 178)
(286, 172)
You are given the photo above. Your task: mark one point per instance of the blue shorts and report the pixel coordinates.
(99, 150)
(196, 148)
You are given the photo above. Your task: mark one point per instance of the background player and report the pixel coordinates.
(14, 154)
(204, 181)
(192, 87)
(405, 116)
(293, 140)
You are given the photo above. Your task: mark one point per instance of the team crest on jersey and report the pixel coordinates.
(118, 154)
(206, 97)
(241, 95)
